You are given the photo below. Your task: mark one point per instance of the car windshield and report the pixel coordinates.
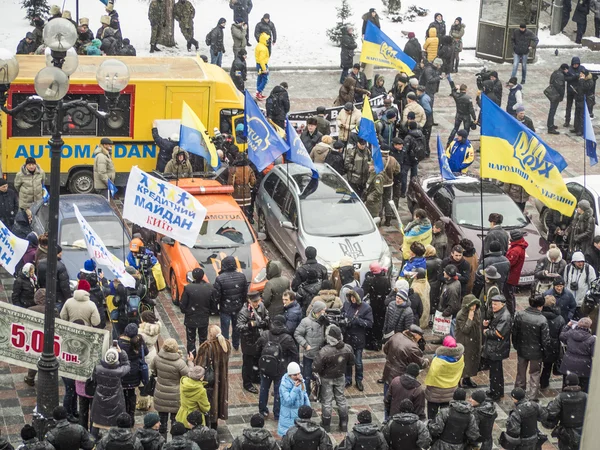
(345, 216)
(221, 231)
(467, 212)
(109, 229)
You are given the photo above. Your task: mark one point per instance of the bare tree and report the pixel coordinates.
(166, 33)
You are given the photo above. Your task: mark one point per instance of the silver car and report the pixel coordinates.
(296, 211)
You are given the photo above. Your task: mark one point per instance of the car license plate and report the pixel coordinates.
(357, 266)
(525, 280)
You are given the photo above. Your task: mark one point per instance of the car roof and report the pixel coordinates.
(591, 182)
(90, 205)
(214, 203)
(464, 186)
(330, 184)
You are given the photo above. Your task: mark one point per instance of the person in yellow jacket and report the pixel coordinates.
(431, 44)
(261, 54)
(193, 395)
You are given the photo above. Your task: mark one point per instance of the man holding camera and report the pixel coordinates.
(358, 318)
(578, 279)
(310, 336)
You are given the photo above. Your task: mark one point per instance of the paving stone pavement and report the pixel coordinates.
(308, 90)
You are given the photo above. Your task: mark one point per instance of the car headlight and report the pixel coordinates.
(385, 259)
(261, 276)
(188, 277)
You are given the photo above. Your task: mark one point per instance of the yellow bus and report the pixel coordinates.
(156, 90)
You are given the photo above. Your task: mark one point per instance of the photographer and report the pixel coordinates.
(578, 279)
(142, 259)
(127, 301)
(358, 318)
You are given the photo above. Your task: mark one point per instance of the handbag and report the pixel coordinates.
(90, 385)
(315, 387)
(144, 372)
(149, 387)
(551, 94)
(209, 371)
(441, 324)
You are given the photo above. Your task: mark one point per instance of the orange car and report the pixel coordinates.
(225, 232)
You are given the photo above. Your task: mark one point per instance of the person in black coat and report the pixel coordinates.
(205, 437)
(405, 430)
(485, 415)
(9, 204)
(149, 436)
(280, 104)
(557, 85)
(24, 287)
(372, 17)
(566, 413)
(165, 147)
(465, 113)
(413, 48)
(215, 40)
(310, 273)
(63, 288)
(556, 323)
(252, 320)
(347, 47)
(376, 286)
(463, 268)
(276, 335)
(197, 303)
(27, 45)
(439, 24)
(359, 317)
(239, 70)
(310, 136)
(22, 226)
(572, 79)
(521, 426)
(133, 344)
(266, 26)
(585, 94)
(231, 288)
(580, 18)
(496, 346)
(592, 255)
(241, 13)
(66, 435)
(292, 311)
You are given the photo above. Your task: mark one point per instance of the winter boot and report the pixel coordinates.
(195, 44)
(344, 423)
(154, 48)
(189, 46)
(326, 423)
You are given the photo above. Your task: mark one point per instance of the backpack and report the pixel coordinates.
(207, 40)
(270, 359)
(132, 306)
(307, 291)
(273, 107)
(418, 150)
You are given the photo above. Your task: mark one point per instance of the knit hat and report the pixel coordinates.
(411, 35)
(124, 420)
(257, 421)
(4, 182)
(178, 429)
(413, 370)
(390, 114)
(554, 252)
(402, 293)
(438, 62)
(318, 306)
(310, 252)
(558, 281)
(572, 380)
(279, 320)
(196, 373)
(520, 109)
(577, 257)
(518, 394)
(346, 261)
(28, 432)
(197, 274)
(31, 160)
(450, 270)
(84, 285)
(586, 322)
(411, 115)
(195, 418)
(59, 413)
(460, 395)
(478, 396)
(131, 330)
(111, 357)
(495, 246)
(304, 412)
(222, 20)
(293, 368)
(515, 235)
(89, 266)
(401, 283)
(513, 81)
(449, 342)
(333, 334)
(32, 237)
(364, 416)
(406, 406)
(170, 345)
(463, 134)
(151, 419)
(375, 268)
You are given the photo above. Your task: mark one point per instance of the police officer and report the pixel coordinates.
(184, 12)
(567, 411)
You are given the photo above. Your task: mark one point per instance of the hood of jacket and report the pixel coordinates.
(432, 32)
(416, 133)
(580, 334)
(278, 329)
(452, 352)
(228, 264)
(176, 151)
(551, 312)
(81, 296)
(258, 436)
(349, 83)
(575, 60)
(405, 418)
(149, 329)
(146, 435)
(328, 295)
(366, 429)
(278, 90)
(355, 296)
(273, 270)
(119, 434)
(461, 407)
(100, 150)
(321, 148)
(409, 382)
(487, 408)
(263, 38)
(37, 170)
(307, 425)
(189, 388)
(21, 218)
(469, 301)
(519, 243)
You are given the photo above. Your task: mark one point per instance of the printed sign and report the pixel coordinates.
(162, 207)
(12, 248)
(78, 348)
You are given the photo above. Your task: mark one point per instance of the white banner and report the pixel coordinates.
(163, 207)
(12, 249)
(99, 253)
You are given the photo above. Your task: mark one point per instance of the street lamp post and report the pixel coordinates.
(51, 85)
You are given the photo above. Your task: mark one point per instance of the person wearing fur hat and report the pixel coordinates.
(310, 336)
(548, 268)
(566, 414)
(522, 431)
(580, 350)
(468, 333)
(193, 395)
(331, 364)
(149, 436)
(405, 386)
(581, 231)
(377, 286)
(365, 434)
(578, 278)
(132, 344)
(256, 437)
(485, 414)
(109, 401)
(169, 367)
(205, 437)
(444, 374)
(81, 307)
(455, 426)
(359, 317)
(293, 394)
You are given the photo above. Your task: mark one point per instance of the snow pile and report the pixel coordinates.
(301, 38)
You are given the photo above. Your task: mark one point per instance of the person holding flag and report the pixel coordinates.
(193, 138)
(460, 153)
(104, 169)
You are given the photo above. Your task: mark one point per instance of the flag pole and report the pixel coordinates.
(584, 142)
(481, 202)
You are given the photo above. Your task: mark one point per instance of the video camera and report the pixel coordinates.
(482, 76)
(334, 316)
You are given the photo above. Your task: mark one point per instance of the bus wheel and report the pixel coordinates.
(81, 182)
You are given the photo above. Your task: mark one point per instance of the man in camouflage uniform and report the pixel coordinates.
(241, 13)
(155, 13)
(184, 12)
(374, 191)
(38, 31)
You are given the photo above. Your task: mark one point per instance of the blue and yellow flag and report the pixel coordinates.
(380, 50)
(366, 130)
(193, 137)
(297, 152)
(512, 153)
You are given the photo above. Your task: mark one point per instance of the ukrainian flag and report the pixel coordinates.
(380, 50)
(194, 138)
(512, 153)
(366, 130)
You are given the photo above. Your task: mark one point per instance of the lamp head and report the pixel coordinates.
(71, 61)
(9, 66)
(60, 35)
(51, 83)
(113, 75)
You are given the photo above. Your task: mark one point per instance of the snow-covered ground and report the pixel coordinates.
(301, 38)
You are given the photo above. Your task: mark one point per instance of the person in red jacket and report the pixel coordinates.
(516, 257)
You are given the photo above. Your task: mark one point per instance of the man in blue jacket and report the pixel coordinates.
(460, 153)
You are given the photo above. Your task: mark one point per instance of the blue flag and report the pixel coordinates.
(112, 188)
(589, 136)
(264, 144)
(444, 166)
(297, 153)
(366, 130)
(105, 2)
(45, 195)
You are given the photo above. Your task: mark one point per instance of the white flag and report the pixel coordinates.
(12, 249)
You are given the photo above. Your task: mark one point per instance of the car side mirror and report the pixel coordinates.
(167, 240)
(377, 220)
(261, 236)
(287, 225)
